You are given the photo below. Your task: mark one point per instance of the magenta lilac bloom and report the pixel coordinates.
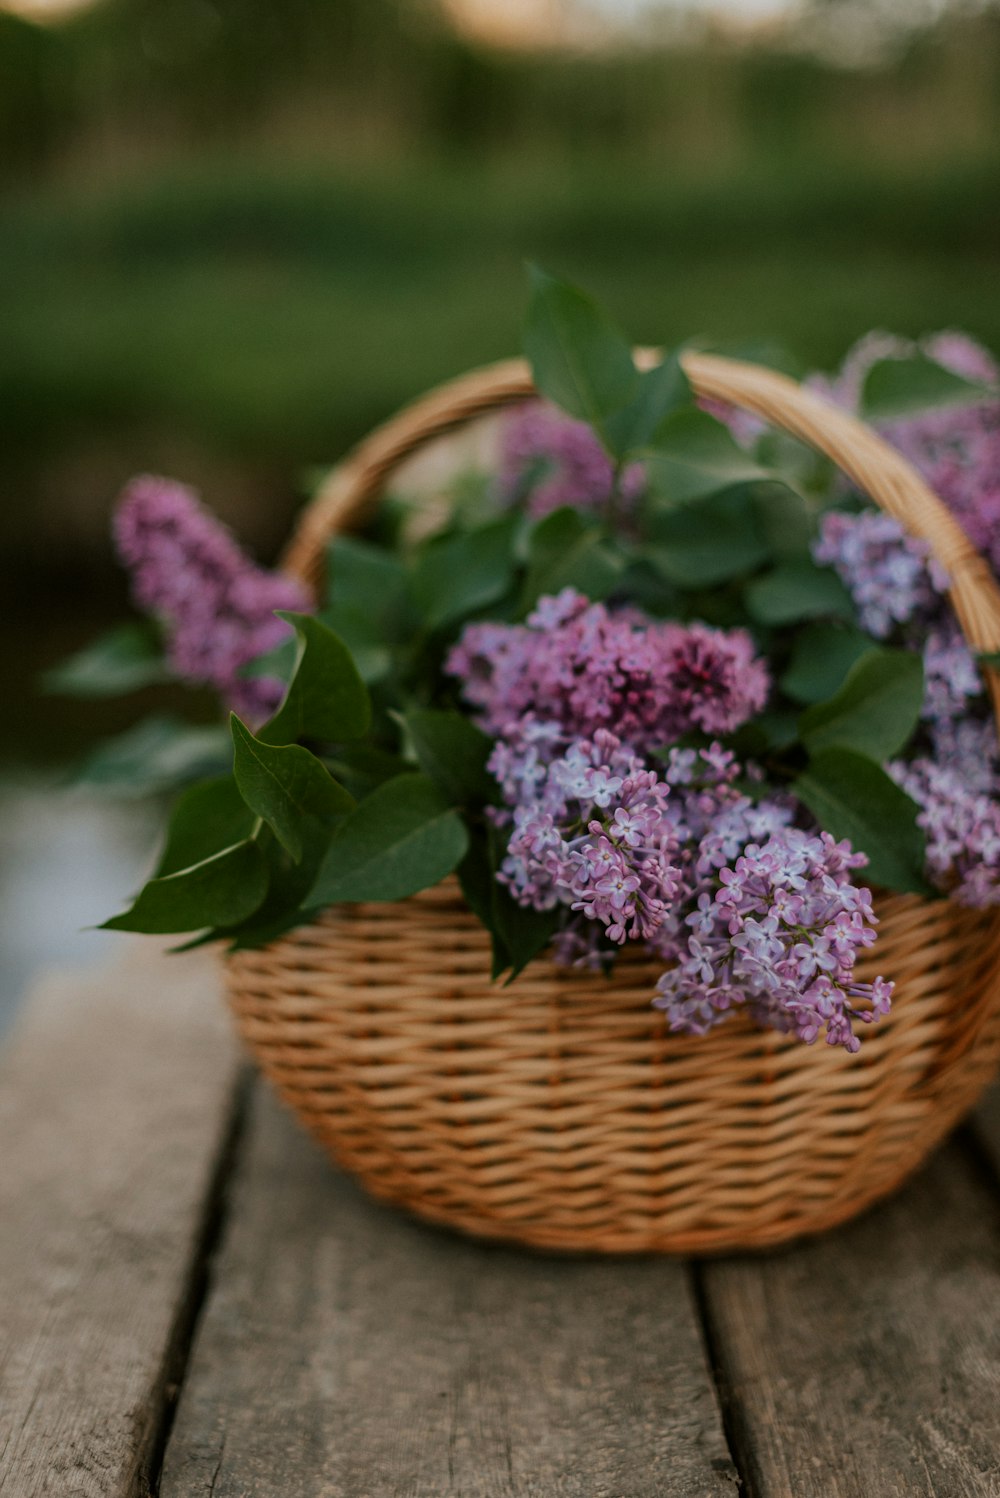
(216, 605)
(582, 666)
(548, 460)
(743, 908)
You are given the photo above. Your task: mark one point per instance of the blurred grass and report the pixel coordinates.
(240, 321)
(276, 314)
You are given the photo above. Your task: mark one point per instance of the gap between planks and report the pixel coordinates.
(117, 1095)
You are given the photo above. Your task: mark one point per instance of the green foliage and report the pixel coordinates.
(219, 891)
(404, 837)
(852, 797)
(207, 817)
(124, 660)
(875, 711)
(904, 386)
(567, 550)
(707, 541)
(326, 698)
(578, 358)
(822, 655)
(797, 590)
(285, 784)
(453, 752)
(158, 754)
(692, 456)
(456, 575)
(517, 934)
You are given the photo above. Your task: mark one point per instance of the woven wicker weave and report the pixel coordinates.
(559, 1111)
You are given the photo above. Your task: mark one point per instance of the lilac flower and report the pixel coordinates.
(955, 448)
(885, 570)
(216, 606)
(548, 460)
(577, 665)
(781, 934)
(591, 834)
(961, 818)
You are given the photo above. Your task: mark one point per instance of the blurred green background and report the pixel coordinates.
(234, 234)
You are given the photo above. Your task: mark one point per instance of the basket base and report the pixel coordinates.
(560, 1113)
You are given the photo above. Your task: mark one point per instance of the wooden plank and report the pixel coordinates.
(116, 1095)
(867, 1364)
(348, 1352)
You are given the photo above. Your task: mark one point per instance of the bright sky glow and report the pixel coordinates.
(526, 16)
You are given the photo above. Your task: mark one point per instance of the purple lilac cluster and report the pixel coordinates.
(743, 908)
(548, 460)
(216, 606)
(901, 595)
(585, 667)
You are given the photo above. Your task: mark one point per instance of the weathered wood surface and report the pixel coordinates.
(867, 1364)
(346, 1352)
(115, 1099)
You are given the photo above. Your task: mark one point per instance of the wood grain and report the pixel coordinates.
(347, 1352)
(867, 1364)
(115, 1096)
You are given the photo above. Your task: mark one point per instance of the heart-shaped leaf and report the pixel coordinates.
(852, 797)
(285, 784)
(875, 711)
(403, 838)
(220, 891)
(326, 698)
(579, 359)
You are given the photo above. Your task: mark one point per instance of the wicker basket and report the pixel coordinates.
(560, 1112)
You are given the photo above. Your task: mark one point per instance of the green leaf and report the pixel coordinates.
(875, 711)
(578, 358)
(158, 754)
(453, 752)
(368, 603)
(285, 784)
(566, 550)
(797, 590)
(662, 389)
(404, 838)
(326, 698)
(785, 522)
(693, 455)
(706, 542)
(517, 934)
(902, 386)
(219, 891)
(852, 797)
(122, 661)
(289, 884)
(360, 768)
(208, 817)
(279, 662)
(822, 655)
(457, 574)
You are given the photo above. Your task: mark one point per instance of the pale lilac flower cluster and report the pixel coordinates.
(584, 667)
(885, 570)
(743, 908)
(216, 606)
(956, 448)
(901, 596)
(592, 835)
(960, 815)
(548, 460)
(781, 934)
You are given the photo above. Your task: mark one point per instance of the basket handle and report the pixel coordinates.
(876, 467)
